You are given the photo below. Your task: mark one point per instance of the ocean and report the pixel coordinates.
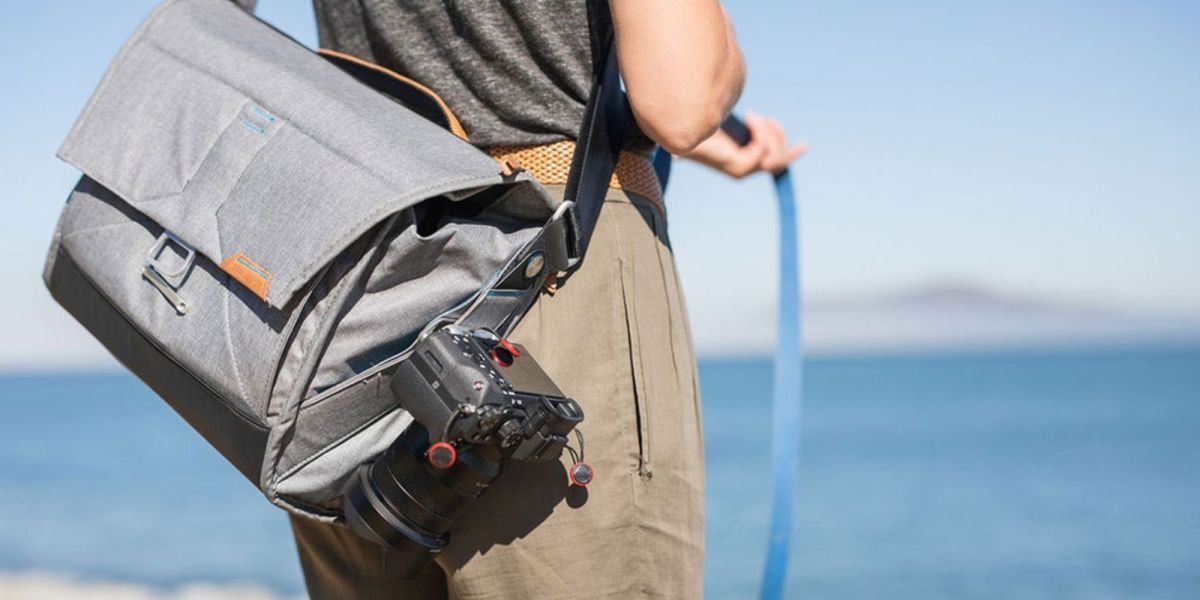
(1055, 474)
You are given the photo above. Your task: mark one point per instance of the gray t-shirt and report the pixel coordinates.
(514, 72)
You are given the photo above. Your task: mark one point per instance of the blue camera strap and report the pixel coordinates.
(788, 369)
(788, 393)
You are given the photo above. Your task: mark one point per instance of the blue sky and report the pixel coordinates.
(1044, 148)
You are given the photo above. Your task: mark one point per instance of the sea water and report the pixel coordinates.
(1009, 475)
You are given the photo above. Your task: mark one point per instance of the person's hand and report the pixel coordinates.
(768, 149)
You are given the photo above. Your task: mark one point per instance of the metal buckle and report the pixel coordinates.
(566, 212)
(165, 280)
(174, 277)
(563, 207)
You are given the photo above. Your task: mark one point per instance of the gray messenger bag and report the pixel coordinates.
(262, 237)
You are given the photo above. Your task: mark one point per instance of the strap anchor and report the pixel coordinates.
(165, 279)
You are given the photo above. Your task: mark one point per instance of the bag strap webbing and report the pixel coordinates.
(608, 124)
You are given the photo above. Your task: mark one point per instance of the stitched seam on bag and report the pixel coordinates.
(157, 197)
(199, 69)
(204, 156)
(70, 234)
(241, 176)
(308, 510)
(157, 344)
(289, 414)
(229, 281)
(326, 449)
(237, 371)
(295, 332)
(337, 152)
(208, 150)
(237, 375)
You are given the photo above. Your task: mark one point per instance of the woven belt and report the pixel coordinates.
(550, 164)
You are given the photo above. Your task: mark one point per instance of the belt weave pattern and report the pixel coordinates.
(551, 163)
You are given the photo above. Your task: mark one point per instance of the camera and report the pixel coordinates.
(477, 400)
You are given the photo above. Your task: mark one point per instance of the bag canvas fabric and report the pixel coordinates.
(259, 237)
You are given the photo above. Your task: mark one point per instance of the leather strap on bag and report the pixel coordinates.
(608, 124)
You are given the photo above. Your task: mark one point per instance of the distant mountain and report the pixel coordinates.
(924, 319)
(958, 316)
(934, 318)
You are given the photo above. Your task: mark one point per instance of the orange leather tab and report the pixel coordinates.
(248, 273)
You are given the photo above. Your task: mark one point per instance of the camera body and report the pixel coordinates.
(477, 400)
(471, 387)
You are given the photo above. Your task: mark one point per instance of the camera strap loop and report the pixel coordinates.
(788, 369)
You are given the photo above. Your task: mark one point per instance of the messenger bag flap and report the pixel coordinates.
(259, 154)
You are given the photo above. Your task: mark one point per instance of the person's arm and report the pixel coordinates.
(683, 72)
(682, 67)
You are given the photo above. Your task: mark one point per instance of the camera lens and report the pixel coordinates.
(407, 504)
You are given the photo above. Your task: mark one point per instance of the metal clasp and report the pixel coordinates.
(165, 279)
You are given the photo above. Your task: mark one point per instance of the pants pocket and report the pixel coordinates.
(636, 369)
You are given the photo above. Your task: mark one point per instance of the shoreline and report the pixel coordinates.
(57, 585)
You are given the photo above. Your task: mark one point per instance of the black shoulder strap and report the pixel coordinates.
(608, 124)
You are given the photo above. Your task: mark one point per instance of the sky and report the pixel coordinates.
(1047, 149)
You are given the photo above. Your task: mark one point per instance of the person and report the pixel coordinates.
(615, 335)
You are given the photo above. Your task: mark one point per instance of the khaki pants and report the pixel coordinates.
(615, 337)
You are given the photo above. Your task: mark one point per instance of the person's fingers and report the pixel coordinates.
(760, 128)
(767, 135)
(780, 134)
(747, 159)
(778, 146)
(794, 152)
